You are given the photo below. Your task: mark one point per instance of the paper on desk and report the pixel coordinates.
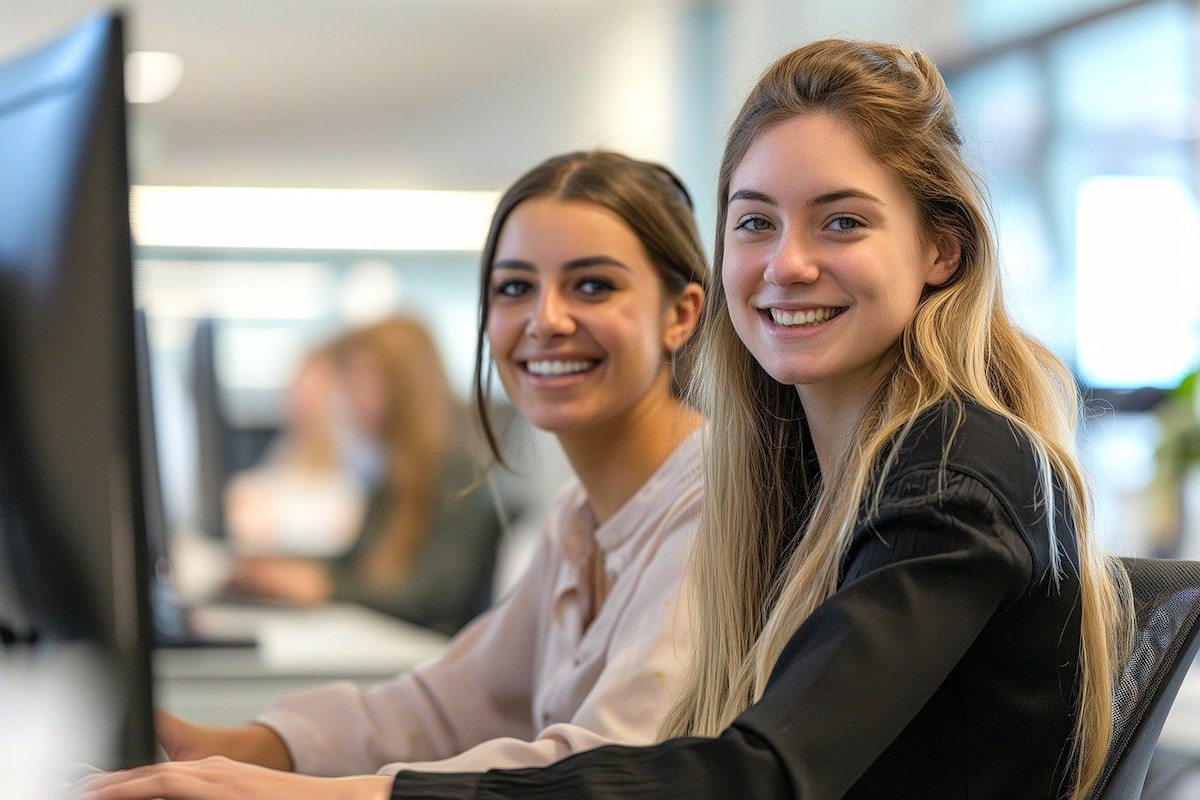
(344, 639)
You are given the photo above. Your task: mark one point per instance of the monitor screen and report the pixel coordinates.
(72, 520)
(213, 431)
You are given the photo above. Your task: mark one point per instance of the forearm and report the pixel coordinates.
(258, 744)
(472, 693)
(250, 744)
(736, 766)
(551, 745)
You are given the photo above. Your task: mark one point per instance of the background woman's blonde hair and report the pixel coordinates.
(752, 592)
(415, 433)
(649, 198)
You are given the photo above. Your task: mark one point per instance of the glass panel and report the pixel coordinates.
(1137, 286)
(1115, 97)
(992, 21)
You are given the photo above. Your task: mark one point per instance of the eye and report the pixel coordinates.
(595, 287)
(752, 222)
(511, 287)
(844, 223)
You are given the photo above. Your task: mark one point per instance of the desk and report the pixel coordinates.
(297, 649)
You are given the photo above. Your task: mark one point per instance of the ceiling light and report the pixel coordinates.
(151, 75)
(382, 220)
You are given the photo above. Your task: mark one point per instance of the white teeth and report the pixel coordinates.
(558, 367)
(794, 318)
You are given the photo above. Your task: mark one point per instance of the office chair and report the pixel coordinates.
(1166, 601)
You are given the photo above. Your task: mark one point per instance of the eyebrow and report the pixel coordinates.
(819, 200)
(584, 262)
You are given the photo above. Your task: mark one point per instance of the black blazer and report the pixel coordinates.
(944, 666)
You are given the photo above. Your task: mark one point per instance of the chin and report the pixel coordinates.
(788, 375)
(556, 423)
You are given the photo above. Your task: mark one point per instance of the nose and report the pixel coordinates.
(793, 261)
(550, 316)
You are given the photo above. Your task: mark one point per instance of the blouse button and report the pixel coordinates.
(609, 539)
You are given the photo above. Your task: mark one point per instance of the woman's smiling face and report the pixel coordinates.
(824, 257)
(577, 321)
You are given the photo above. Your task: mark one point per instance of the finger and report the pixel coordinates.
(148, 787)
(122, 785)
(171, 781)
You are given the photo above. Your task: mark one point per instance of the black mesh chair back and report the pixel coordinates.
(1166, 599)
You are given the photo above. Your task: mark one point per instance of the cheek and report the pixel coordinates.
(646, 328)
(500, 332)
(738, 277)
(738, 284)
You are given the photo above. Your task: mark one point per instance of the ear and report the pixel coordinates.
(945, 262)
(682, 316)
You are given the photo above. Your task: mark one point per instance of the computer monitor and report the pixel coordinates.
(72, 524)
(214, 434)
(170, 621)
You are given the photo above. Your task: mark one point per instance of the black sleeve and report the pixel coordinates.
(735, 765)
(919, 585)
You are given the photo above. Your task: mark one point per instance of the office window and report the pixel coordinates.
(1137, 283)
(1088, 139)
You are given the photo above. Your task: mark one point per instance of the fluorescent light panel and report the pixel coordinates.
(217, 217)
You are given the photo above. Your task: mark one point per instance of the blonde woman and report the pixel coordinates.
(899, 573)
(899, 592)
(426, 546)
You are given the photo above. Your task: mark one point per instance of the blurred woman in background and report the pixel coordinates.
(301, 498)
(426, 547)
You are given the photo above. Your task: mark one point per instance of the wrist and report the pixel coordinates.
(368, 787)
(258, 744)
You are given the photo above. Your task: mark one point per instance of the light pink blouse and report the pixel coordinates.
(530, 681)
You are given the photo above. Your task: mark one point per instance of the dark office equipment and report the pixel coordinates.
(173, 626)
(158, 527)
(72, 524)
(214, 433)
(223, 445)
(1166, 596)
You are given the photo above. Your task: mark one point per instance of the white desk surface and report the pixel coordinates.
(297, 648)
(324, 640)
(301, 648)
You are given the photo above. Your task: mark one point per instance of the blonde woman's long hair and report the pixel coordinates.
(415, 432)
(752, 591)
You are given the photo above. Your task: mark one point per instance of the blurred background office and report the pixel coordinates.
(303, 166)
